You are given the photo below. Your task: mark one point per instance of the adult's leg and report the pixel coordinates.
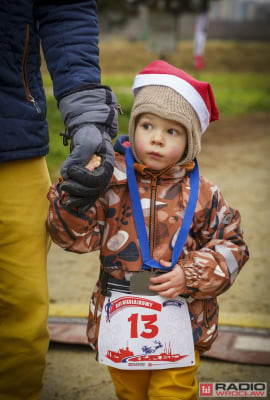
(24, 334)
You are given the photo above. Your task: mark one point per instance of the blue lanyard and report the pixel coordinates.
(148, 262)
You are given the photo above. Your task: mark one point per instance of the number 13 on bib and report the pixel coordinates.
(145, 332)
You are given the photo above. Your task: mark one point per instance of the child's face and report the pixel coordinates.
(159, 142)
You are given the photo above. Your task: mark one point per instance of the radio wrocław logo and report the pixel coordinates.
(233, 389)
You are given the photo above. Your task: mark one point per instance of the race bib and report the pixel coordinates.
(145, 332)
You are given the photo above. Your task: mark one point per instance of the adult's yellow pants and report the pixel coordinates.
(24, 334)
(166, 384)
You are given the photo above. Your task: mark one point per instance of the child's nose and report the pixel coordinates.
(158, 137)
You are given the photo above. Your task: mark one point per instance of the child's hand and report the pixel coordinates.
(94, 162)
(170, 284)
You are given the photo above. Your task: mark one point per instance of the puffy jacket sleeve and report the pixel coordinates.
(220, 251)
(69, 37)
(79, 233)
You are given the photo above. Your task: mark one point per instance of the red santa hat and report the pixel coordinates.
(198, 94)
(171, 93)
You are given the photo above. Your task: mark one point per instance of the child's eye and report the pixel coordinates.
(147, 126)
(173, 132)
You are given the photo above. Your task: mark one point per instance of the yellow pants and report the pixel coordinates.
(24, 334)
(166, 384)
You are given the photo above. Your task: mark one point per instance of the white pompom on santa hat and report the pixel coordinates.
(162, 89)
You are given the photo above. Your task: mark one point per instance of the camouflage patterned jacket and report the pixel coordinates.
(212, 257)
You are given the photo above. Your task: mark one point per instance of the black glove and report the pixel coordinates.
(90, 117)
(85, 186)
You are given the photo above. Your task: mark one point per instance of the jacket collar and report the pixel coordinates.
(171, 172)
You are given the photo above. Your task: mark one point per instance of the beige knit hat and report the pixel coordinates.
(171, 93)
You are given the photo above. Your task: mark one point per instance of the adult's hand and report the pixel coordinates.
(90, 117)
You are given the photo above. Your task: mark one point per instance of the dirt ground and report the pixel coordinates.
(235, 155)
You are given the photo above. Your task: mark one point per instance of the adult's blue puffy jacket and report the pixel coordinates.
(68, 32)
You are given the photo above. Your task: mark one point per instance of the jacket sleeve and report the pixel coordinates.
(219, 252)
(69, 37)
(79, 233)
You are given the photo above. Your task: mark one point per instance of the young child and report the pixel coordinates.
(169, 243)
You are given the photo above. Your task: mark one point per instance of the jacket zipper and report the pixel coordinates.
(29, 97)
(152, 220)
(152, 214)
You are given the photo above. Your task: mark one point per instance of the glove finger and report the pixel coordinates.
(83, 209)
(79, 202)
(76, 189)
(106, 149)
(100, 177)
(86, 141)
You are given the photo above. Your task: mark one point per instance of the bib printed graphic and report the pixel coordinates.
(145, 332)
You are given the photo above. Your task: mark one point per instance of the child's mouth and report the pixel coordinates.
(155, 154)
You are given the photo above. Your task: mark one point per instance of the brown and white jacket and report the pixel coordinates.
(212, 257)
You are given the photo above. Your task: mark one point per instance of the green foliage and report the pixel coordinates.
(238, 94)
(235, 94)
